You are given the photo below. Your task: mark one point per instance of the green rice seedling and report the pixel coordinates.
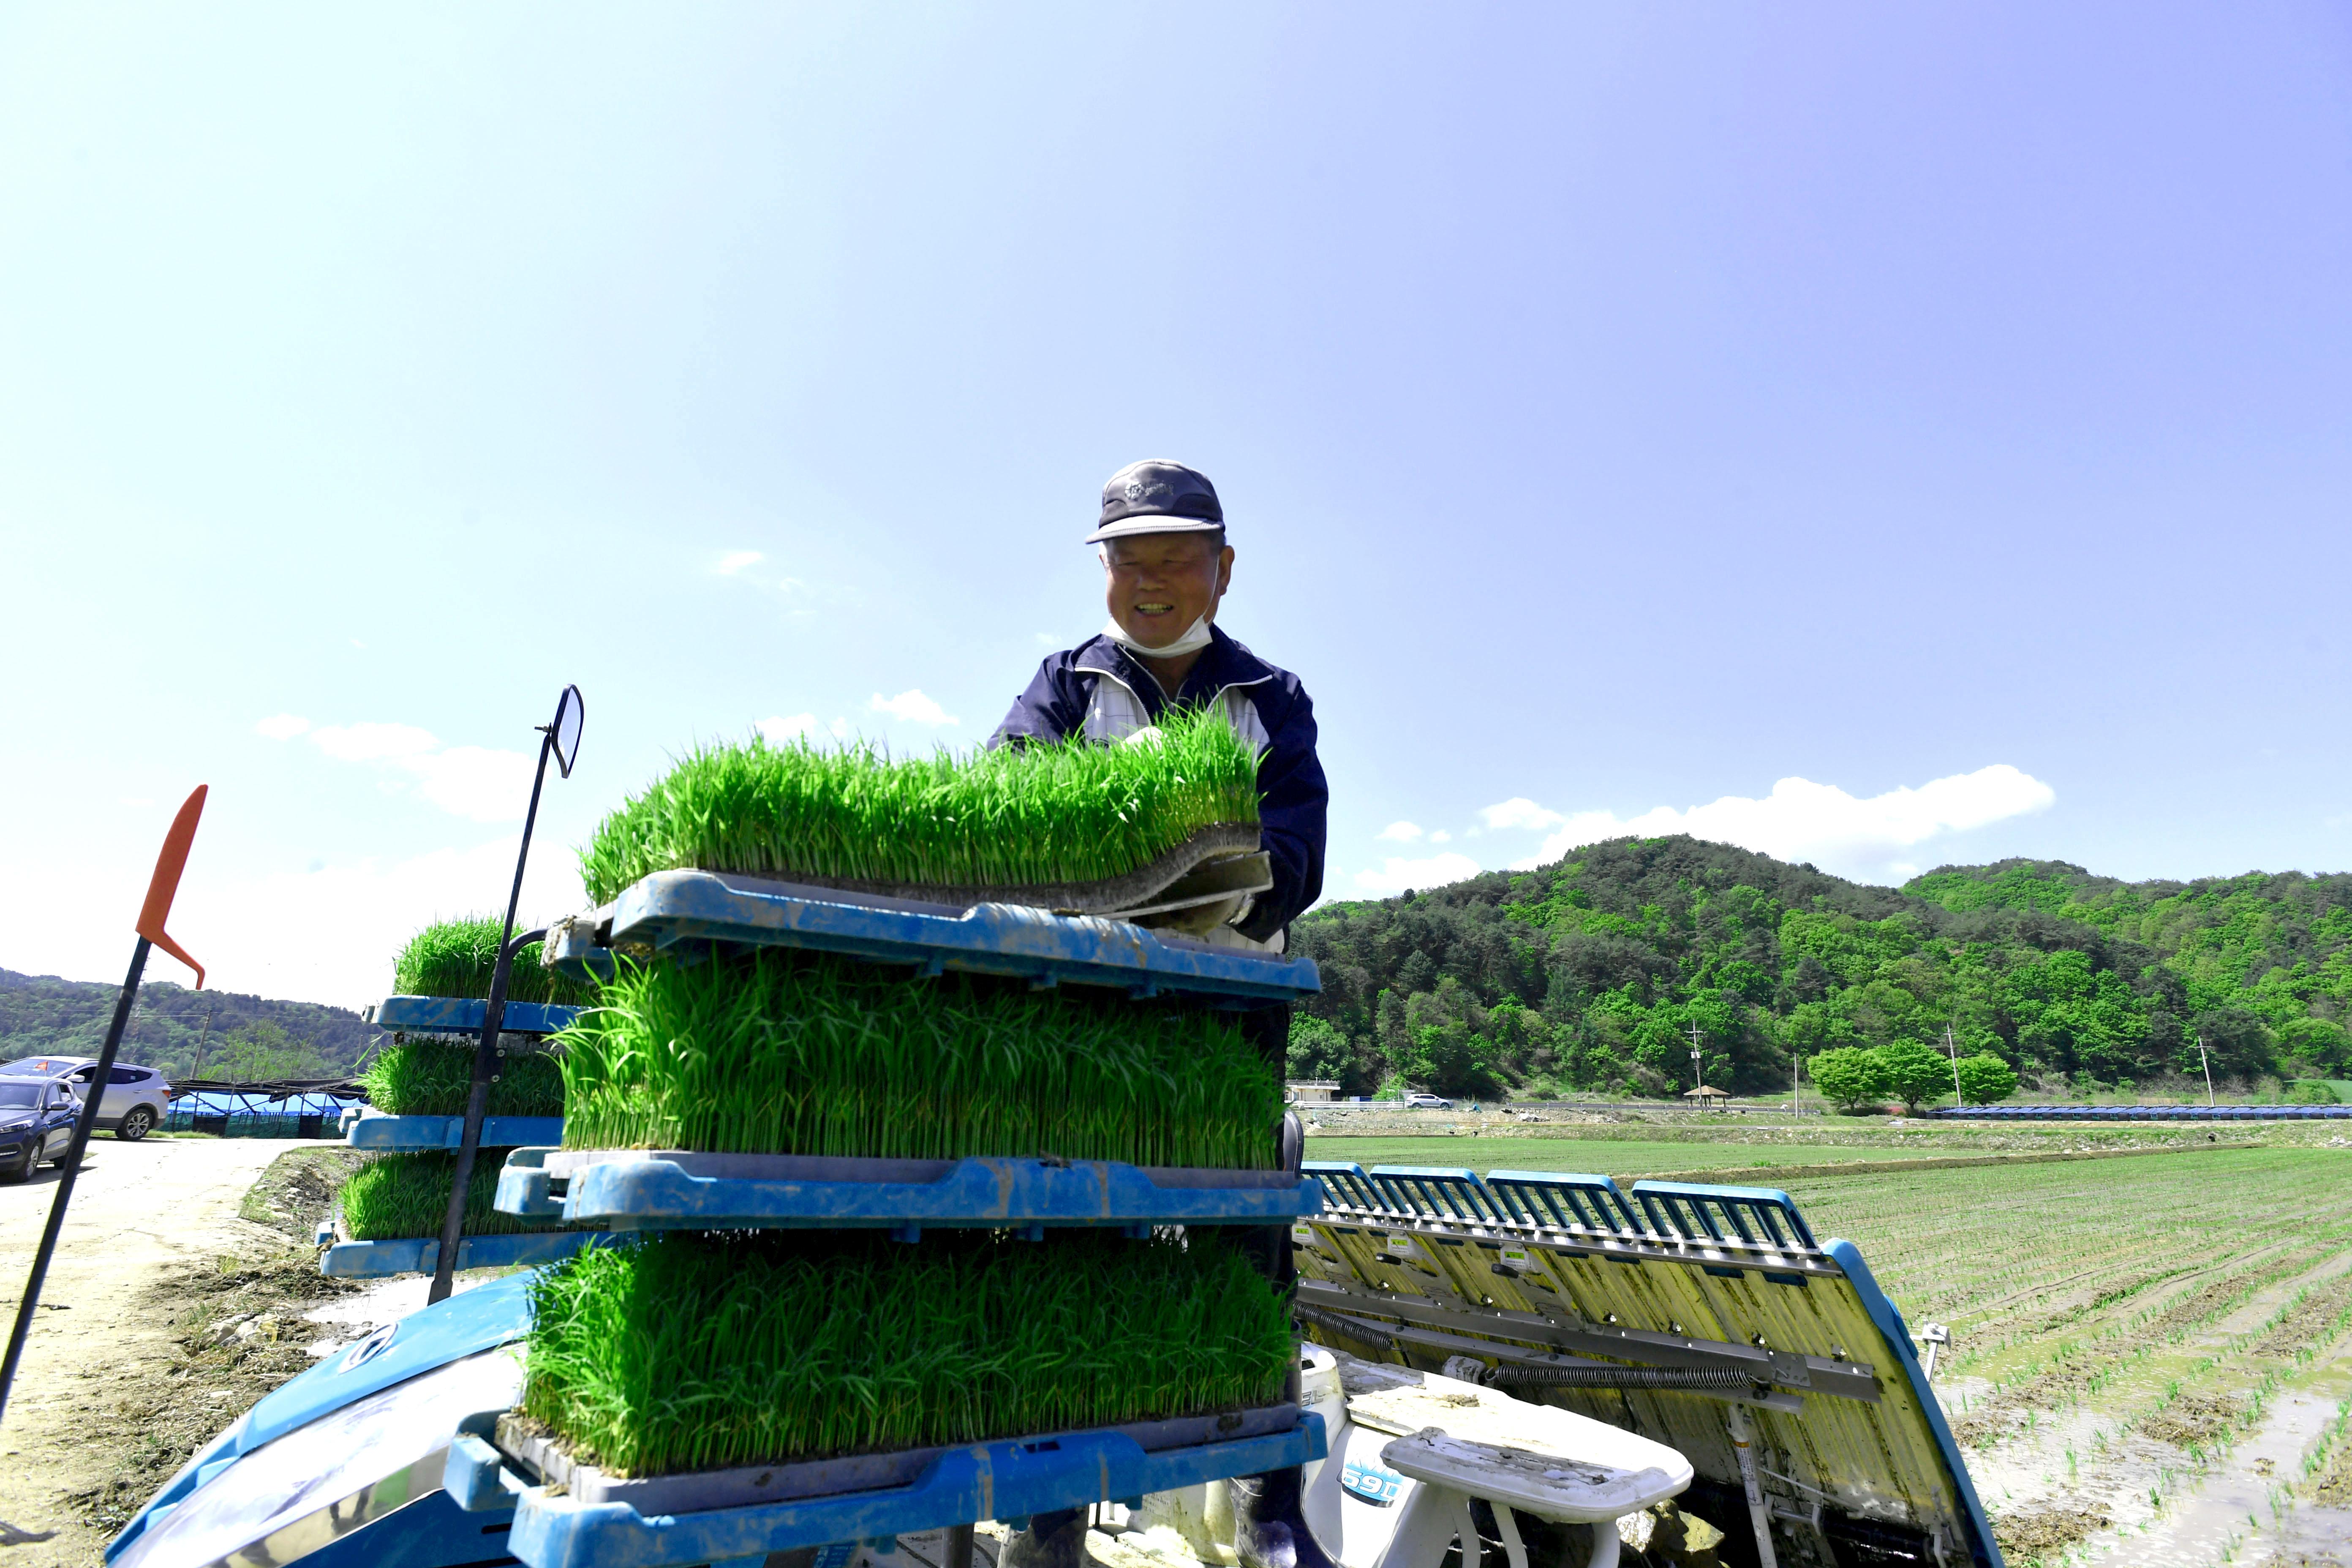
(454, 958)
(795, 1052)
(1042, 814)
(688, 1352)
(432, 1078)
(395, 1196)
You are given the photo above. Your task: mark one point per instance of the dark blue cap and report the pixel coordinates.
(1157, 496)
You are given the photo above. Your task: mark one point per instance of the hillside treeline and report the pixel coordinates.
(217, 1034)
(1597, 973)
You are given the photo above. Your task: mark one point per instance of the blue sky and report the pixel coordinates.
(1944, 409)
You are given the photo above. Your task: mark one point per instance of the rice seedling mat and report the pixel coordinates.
(738, 914)
(464, 1016)
(635, 1189)
(368, 1128)
(538, 1452)
(1010, 1479)
(1216, 862)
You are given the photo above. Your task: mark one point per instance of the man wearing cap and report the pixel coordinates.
(1166, 564)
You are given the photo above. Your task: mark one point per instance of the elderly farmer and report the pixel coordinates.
(1166, 564)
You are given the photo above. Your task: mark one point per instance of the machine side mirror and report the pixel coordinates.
(565, 730)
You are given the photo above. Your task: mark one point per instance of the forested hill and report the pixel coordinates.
(1590, 973)
(241, 1036)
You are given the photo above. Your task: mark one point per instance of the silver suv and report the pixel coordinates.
(135, 1097)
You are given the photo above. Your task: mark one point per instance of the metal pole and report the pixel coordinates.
(1955, 1053)
(1758, 1515)
(486, 1057)
(2208, 1071)
(70, 1170)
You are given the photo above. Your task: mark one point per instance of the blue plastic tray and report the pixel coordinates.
(373, 1130)
(1008, 1481)
(463, 1015)
(635, 1189)
(673, 907)
(417, 1254)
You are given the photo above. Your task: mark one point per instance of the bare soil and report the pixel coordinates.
(175, 1303)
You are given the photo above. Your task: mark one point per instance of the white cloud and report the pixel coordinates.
(1520, 812)
(912, 708)
(1434, 871)
(374, 742)
(1804, 821)
(330, 935)
(789, 728)
(1441, 837)
(282, 726)
(1400, 832)
(473, 782)
(734, 561)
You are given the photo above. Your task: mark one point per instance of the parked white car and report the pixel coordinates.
(135, 1097)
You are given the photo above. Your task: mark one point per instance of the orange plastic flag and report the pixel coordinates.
(166, 885)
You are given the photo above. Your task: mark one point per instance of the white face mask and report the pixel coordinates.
(1193, 639)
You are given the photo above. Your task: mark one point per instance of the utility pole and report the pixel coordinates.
(197, 1069)
(1954, 1051)
(2208, 1062)
(1698, 1067)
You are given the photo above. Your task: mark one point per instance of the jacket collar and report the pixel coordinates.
(1223, 664)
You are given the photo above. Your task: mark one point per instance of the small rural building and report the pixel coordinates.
(1310, 1091)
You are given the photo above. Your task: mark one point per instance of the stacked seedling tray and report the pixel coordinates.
(910, 1197)
(388, 1216)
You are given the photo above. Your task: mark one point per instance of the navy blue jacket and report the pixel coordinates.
(1098, 689)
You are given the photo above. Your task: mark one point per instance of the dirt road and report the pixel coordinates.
(140, 1212)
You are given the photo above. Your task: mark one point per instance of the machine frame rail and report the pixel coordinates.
(632, 1189)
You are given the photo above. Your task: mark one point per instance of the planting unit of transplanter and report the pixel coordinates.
(1060, 1310)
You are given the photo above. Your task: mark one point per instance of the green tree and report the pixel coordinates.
(1986, 1079)
(1913, 1072)
(1850, 1075)
(1316, 1049)
(262, 1051)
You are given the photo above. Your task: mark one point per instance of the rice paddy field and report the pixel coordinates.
(2152, 1352)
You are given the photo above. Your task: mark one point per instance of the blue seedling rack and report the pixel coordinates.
(631, 1190)
(417, 1254)
(372, 1129)
(712, 1516)
(689, 909)
(464, 1016)
(1009, 1480)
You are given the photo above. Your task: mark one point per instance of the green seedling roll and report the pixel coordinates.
(394, 1197)
(1047, 813)
(691, 1351)
(432, 1078)
(795, 1052)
